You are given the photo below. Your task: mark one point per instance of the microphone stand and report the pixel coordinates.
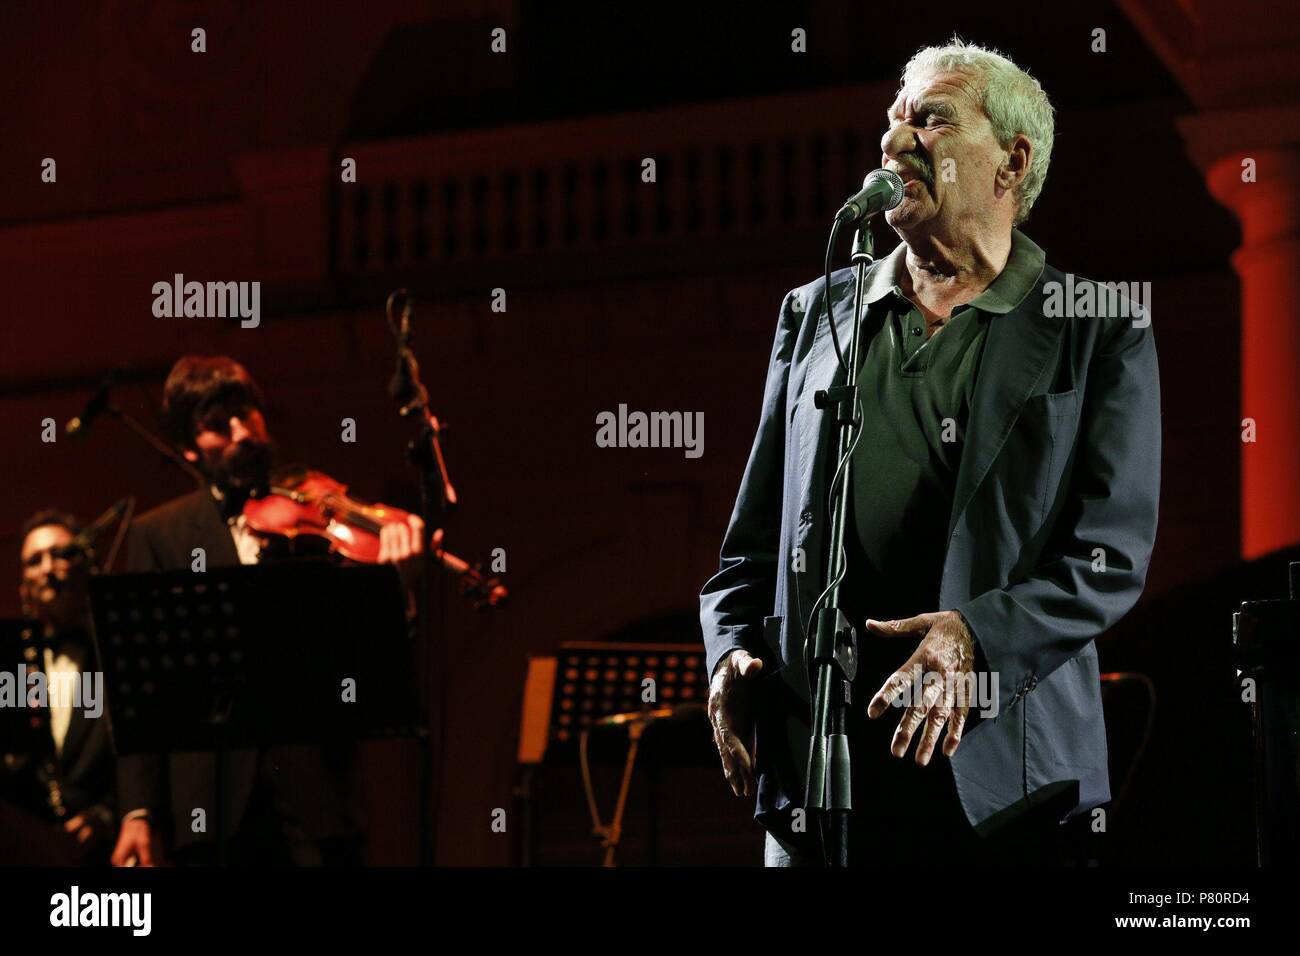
(828, 790)
(437, 495)
(102, 403)
(156, 443)
(611, 834)
(637, 722)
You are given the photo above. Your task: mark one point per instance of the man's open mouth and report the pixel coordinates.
(909, 176)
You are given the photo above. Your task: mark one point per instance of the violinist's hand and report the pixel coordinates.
(401, 541)
(403, 545)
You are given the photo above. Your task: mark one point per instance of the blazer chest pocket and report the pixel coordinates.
(1053, 405)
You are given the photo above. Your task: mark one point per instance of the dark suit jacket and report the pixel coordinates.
(84, 770)
(313, 785)
(1062, 457)
(86, 764)
(83, 773)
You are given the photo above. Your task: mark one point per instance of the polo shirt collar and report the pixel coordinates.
(1017, 279)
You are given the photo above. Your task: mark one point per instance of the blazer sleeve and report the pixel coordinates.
(140, 777)
(1029, 628)
(735, 600)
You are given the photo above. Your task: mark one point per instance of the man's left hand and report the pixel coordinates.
(937, 678)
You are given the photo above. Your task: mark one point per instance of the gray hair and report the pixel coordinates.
(1012, 99)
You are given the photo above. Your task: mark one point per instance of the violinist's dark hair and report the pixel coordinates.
(45, 517)
(198, 382)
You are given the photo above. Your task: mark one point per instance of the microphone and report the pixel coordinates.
(881, 190)
(94, 408)
(84, 541)
(400, 386)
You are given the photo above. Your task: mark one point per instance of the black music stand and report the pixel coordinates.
(598, 679)
(253, 656)
(595, 684)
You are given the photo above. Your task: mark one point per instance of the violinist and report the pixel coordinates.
(288, 805)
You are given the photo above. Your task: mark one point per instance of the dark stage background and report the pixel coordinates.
(225, 166)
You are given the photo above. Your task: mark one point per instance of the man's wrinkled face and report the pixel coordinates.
(231, 445)
(942, 145)
(53, 587)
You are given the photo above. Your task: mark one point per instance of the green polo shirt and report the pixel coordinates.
(917, 393)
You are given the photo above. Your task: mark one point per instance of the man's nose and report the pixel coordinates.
(238, 430)
(896, 141)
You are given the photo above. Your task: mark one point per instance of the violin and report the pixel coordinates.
(313, 506)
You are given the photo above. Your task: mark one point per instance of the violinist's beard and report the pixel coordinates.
(244, 466)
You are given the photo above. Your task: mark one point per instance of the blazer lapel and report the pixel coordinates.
(824, 369)
(1018, 347)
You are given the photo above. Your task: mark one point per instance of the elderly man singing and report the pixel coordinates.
(1002, 507)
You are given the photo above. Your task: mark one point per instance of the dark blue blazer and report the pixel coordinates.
(1051, 530)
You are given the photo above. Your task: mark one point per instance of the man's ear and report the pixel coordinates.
(190, 454)
(1013, 171)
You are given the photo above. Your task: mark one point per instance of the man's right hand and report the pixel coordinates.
(137, 842)
(731, 714)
